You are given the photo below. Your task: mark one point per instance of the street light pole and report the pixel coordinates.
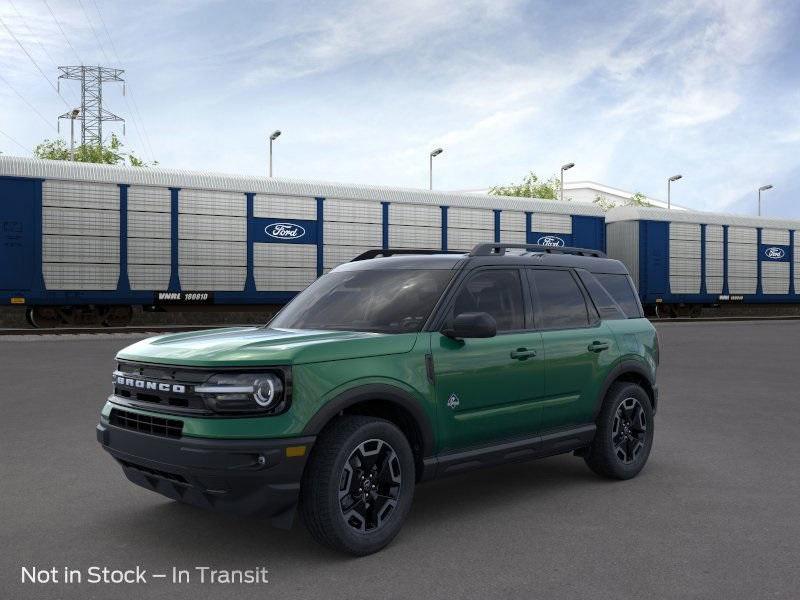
(763, 188)
(272, 138)
(72, 115)
(435, 152)
(565, 167)
(669, 182)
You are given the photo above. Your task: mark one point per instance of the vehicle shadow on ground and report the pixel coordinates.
(436, 506)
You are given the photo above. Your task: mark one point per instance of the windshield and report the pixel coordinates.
(388, 301)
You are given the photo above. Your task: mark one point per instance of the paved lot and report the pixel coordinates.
(714, 514)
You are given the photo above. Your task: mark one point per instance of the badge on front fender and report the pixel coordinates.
(453, 401)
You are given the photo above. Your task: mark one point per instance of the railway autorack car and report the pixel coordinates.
(684, 260)
(86, 243)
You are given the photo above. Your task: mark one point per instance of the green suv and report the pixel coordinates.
(395, 368)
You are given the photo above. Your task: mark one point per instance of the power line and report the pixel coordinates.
(32, 107)
(33, 36)
(96, 37)
(66, 39)
(15, 141)
(35, 64)
(134, 113)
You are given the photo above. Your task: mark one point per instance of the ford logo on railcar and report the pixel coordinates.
(285, 231)
(550, 240)
(775, 253)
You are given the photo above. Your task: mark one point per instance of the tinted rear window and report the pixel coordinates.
(560, 301)
(621, 289)
(605, 304)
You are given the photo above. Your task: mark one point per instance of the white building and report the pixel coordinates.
(586, 192)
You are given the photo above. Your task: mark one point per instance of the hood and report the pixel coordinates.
(241, 346)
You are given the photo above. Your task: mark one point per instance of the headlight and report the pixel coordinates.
(243, 392)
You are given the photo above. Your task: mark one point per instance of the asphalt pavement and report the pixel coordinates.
(715, 514)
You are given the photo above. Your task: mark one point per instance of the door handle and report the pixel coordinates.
(597, 346)
(522, 353)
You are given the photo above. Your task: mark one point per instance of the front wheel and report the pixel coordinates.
(358, 486)
(624, 435)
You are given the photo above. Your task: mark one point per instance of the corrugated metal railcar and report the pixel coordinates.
(85, 241)
(683, 260)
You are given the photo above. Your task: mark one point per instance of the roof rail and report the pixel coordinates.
(499, 249)
(369, 254)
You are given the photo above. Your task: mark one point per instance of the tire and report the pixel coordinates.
(359, 520)
(619, 451)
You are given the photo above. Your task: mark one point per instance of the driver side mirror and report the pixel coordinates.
(472, 325)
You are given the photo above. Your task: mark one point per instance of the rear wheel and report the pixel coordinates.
(624, 433)
(358, 486)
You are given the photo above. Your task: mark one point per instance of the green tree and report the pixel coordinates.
(606, 203)
(110, 154)
(530, 187)
(638, 199)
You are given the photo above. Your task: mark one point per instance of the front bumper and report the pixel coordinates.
(246, 477)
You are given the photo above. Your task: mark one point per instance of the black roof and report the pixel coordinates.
(593, 261)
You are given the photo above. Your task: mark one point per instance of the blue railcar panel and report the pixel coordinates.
(123, 286)
(18, 233)
(250, 280)
(589, 232)
(174, 278)
(444, 228)
(653, 259)
(320, 237)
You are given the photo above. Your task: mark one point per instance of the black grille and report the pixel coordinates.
(171, 428)
(187, 399)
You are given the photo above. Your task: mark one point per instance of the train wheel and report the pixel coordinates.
(118, 316)
(45, 317)
(695, 310)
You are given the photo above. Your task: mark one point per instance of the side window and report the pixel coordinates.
(605, 304)
(497, 292)
(561, 302)
(620, 287)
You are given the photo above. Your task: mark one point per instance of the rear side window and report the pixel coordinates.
(561, 304)
(605, 304)
(496, 292)
(621, 289)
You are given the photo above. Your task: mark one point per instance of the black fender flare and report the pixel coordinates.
(623, 368)
(375, 391)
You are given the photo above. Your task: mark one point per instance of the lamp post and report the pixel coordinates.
(669, 183)
(272, 138)
(763, 188)
(72, 116)
(435, 152)
(565, 167)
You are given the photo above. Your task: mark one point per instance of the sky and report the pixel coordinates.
(631, 92)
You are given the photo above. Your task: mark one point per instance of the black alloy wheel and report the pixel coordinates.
(629, 432)
(624, 436)
(370, 485)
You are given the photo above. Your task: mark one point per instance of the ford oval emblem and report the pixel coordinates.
(774, 253)
(550, 240)
(285, 231)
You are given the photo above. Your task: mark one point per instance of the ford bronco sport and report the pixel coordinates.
(392, 369)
